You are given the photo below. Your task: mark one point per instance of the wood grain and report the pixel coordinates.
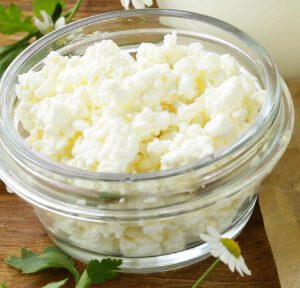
(19, 227)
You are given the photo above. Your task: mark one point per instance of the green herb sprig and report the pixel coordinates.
(96, 272)
(13, 21)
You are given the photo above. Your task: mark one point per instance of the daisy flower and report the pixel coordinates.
(138, 4)
(47, 24)
(224, 249)
(227, 250)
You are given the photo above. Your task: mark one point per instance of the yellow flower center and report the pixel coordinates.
(232, 246)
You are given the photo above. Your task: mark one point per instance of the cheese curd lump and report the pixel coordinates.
(108, 111)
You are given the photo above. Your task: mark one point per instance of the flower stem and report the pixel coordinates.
(70, 14)
(84, 280)
(18, 44)
(207, 272)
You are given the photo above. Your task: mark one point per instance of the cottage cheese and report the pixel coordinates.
(107, 111)
(147, 237)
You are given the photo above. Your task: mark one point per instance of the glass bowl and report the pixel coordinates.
(151, 221)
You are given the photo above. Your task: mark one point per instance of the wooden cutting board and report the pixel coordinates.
(19, 227)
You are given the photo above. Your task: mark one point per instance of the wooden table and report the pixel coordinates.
(19, 227)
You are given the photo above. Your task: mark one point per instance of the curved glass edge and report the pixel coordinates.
(254, 176)
(20, 150)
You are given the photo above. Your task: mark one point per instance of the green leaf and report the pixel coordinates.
(56, 284)
(4, 48)
(57, 12)
(100, 272)
(12, 21)
(58, 259)
(3, 285)
(70, 14)
(29, 262)
(84, 281)
(9, 52)
(46, 5)
(9, 57)
(53, 257)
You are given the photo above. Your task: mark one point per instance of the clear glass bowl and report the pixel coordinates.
(151, 221)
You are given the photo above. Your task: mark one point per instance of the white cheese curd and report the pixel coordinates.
(109, 112)
(149, 237)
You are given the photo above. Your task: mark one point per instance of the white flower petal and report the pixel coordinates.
(213, 232)
(138, 4)
(216, 245)
(219, 246)
(243, 266)
(215, 253)
(224, 257)
(39, 25)
(232, 263)
(125, 4)
(47, 19)
(46, 25)
(218, 250)
(206, 237)
(239, 269)
(61, 22)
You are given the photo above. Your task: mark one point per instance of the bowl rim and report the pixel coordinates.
(20, 150)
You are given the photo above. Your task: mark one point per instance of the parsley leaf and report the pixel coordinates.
(3, 285)
(96, 272)
(58, 259)
(55, 284)
(12, 21)
(99, 272)
(53, 257)
(28, 262)
(46, 5)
